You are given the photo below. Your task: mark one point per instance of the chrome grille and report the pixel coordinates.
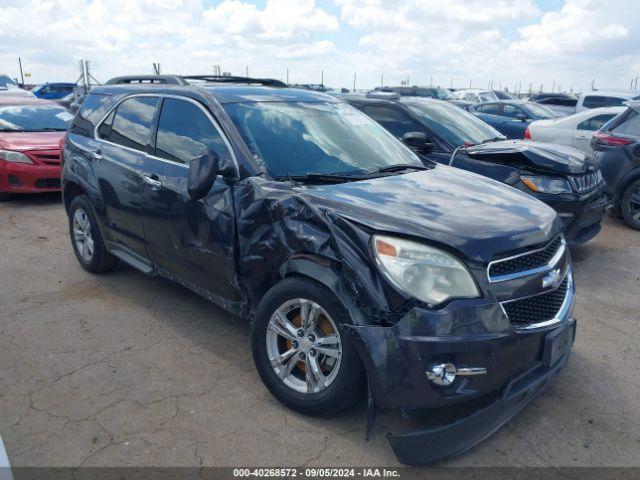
(541, 309)
(525, 263)
(587, 182)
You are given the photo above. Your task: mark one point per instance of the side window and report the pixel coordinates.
(104, 130)
(512, 111)
(132, 122)
(186, 132)
(594, 123)
(491, 108)
(395, 121)
(630, 125)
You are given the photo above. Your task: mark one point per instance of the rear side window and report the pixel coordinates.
(595, 101)
(132, 122)
(630, 125)
(595, 123)
(395, 121)
(186, 132)
(92, 110)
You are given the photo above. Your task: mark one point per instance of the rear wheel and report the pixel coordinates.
(630, 205)
(301, 352)
(86, 238)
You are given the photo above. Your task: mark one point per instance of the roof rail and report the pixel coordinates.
(269, 82)
(154, 79)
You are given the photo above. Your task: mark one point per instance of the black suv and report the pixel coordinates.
(562, 177)
(356, 263)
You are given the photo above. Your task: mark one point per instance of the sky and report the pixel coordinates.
(572, 44)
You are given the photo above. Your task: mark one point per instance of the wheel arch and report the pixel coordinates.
(328, 273)
(628, 178)
(71, 190)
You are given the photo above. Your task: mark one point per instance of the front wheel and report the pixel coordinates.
(302, 353)
(630, 205)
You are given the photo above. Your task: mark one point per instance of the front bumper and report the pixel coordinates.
(467, 333)
(581, 214)
(28, 178)
(431, 445)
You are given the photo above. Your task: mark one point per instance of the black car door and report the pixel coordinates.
(190, 240)
(120, 150)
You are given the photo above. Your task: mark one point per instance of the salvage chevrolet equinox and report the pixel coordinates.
(362, 270)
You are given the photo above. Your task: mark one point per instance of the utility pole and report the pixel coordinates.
(21, 74)
(322, 77)
(431, 81)
(470, 82)
(246, 71)
(287, 76)
(382, 80)
(451, 86)
(354, 82)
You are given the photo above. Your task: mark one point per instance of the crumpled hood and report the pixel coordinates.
(23, 141)
(540, 156)
(477, 216)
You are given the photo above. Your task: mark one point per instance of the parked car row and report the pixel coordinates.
(388, 245)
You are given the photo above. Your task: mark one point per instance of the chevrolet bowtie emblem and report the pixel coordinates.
(553, 279)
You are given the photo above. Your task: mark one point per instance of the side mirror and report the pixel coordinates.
(203, 171)
(521, 116)
(418, 141)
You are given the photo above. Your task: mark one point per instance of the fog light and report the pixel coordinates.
(445, 373)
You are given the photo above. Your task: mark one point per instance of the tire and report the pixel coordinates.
(340, 383)
(630, 205)
(4, 196)
(95, 259)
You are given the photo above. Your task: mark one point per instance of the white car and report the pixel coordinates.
(8, 87)
(475, 95)
(575, 130)
(604, 98)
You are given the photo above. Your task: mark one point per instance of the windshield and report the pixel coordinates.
(453, 124)
(33, 118)
(442, 94)
(503, 95)
(296, 138)
(6, 82)
(541, 111)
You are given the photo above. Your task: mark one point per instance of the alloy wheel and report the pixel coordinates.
(304, 346)
(82, 235)
(634, 205)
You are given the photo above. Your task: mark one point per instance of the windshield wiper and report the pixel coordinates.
(323, 177)
(494, 139)
(397, 168)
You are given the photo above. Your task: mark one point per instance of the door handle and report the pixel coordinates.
(154, 183)
(97, 155)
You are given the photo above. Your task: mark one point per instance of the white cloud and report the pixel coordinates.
(481, 40)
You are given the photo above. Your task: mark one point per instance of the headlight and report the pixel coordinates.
(14, 157)
(547, 184)
(426, 273)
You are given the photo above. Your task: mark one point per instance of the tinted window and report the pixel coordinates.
(630, 124)
(512, 111)
(33, 118)
(394, 120)
(185, 132)
(132, 122)
(104, 129)
(595, 123)
(491, 108)
(594, 101)
(91, 111)
(6, 81)
(295, 138)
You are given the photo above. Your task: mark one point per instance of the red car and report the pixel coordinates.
(30, 133)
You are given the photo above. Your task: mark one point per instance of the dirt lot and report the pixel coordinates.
(123, 369)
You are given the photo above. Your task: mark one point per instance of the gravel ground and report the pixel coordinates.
(123, 369)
